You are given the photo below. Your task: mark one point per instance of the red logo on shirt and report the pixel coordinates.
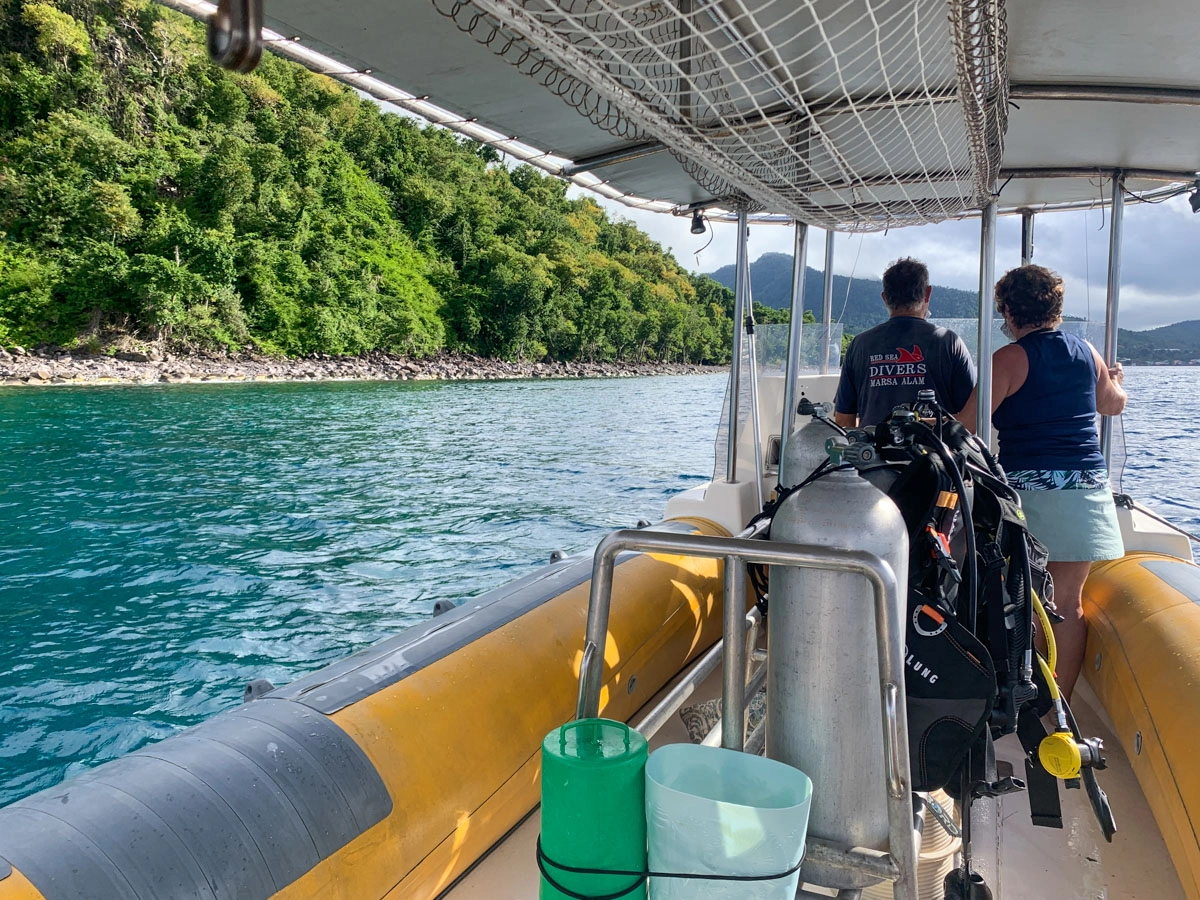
(901, 367)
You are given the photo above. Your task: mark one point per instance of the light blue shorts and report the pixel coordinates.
(1075, 525)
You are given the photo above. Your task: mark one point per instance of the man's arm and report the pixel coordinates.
(961, 378)
(845, 401)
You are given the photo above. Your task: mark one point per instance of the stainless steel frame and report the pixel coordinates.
(900, 863)
(755, 417)
(1167, 176)
(987, 280)
(694, 676)
(735, 370)
(1106, 93)
(1115, 237)
(733, 682)
(827, 301)
(795, 329)
(650, 723)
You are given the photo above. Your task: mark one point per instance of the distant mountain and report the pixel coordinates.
(771, 282)
(1180, 341)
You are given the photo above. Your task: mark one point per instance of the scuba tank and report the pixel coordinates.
(974, 575)
(805, 449)
(823, 669)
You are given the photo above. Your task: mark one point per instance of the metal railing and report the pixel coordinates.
(900, 863)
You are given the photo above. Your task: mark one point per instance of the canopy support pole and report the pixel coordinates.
(735, 372)
(1116, 230)
(1026, 237)
(755, 414)
(795, 327)
(987, 280)
(827, 301)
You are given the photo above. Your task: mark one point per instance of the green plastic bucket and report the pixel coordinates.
(593, 808)
(712, 811)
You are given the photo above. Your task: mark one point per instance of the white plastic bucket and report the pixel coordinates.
(711, 811)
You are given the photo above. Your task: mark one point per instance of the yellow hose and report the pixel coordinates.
(1050, 680)
(1058, 752)
(1051, 649)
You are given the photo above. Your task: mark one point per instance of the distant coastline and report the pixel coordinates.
(39, 368)
(1159, 362)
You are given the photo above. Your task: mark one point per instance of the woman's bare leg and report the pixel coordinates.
(1070, 635)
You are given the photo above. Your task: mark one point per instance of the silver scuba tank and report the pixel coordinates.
(823, 709)
(805, 450)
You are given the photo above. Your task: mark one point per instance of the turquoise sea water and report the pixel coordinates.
(162, 546)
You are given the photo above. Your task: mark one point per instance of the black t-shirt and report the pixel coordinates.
(887, 365)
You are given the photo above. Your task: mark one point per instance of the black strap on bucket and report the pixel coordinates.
(543, 861)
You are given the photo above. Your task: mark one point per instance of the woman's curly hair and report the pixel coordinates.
(1031, 295)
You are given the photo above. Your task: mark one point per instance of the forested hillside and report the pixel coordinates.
(146, 194)
(1180, 341)
(856, 303)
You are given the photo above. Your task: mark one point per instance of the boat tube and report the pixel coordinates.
(388, 774)
(1143, 661)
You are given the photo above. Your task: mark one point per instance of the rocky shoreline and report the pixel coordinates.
(47, 367)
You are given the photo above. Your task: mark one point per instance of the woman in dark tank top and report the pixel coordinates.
(1047, 388)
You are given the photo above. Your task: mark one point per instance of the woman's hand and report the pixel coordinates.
(1110, 396)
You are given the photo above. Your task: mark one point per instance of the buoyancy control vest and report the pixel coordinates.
(974, 584)
(967, 637)
(972, 563)
(974, 570)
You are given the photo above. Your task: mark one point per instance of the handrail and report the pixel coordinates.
(740, 551)
(650, 723)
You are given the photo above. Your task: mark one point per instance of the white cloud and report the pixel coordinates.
(1158, 279)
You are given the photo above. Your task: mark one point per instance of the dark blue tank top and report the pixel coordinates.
(1050, 422)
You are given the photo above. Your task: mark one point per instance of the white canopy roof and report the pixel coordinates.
(852, 114)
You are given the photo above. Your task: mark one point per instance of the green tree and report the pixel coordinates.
(144, 192)
(59, 36)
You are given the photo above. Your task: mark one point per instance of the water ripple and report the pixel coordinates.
(162, 546)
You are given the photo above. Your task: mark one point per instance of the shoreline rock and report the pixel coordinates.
(51, 367)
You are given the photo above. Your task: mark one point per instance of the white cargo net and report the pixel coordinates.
(857, 115)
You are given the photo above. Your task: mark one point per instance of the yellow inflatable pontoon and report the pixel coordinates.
(1143, 661)
(385, 775)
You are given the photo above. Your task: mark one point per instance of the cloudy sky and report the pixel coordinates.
(1160, 280)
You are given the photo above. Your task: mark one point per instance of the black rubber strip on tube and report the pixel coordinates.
(239, 806)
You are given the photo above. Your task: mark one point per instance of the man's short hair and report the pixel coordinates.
(905, 283)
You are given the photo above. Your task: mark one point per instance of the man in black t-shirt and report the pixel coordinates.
(888, 364)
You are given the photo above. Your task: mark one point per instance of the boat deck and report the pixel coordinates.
(1077, 863)
(1019, 861)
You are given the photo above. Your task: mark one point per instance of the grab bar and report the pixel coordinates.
(901, 861)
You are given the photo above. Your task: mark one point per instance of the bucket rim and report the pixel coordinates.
(698, 750)
(635, 742)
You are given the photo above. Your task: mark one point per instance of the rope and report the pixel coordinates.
(783, 125)
(543, 860)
